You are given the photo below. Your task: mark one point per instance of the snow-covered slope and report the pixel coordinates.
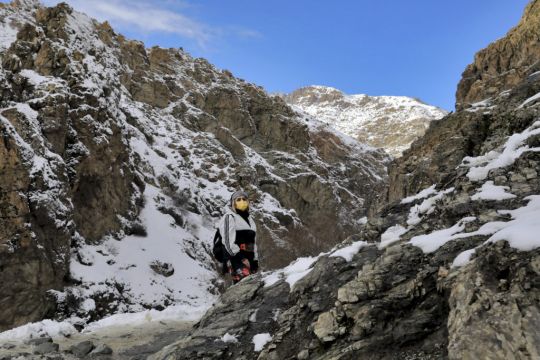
(388, 122)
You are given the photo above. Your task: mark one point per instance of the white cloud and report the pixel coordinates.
(143, 16)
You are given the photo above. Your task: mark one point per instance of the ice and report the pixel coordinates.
(260, 340)
(489, 191)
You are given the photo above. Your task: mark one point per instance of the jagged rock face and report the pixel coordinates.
(388, 122)
(96, 129)
(504, 63)
(451, 272)
(478, 130)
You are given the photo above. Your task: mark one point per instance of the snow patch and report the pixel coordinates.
(463, 258)
(260, 340)
(426, 207)
(421, 195)
(512, 150)
(348, 252)
(489, 191)
(433, 241)
(228, 338)
(39, 329)
(391, 235)
(522, 232)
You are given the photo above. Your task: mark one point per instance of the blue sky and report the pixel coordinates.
(415, 48)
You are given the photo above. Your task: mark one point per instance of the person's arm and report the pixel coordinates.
(255, 265)
(228, 232)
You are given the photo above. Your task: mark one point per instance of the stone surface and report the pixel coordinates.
(504, 63)
(46, 348)
(82, 349)
(102, 349)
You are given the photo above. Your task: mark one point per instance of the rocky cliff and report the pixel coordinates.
(447, 268)
(503, 64)
(388, 122)
(117, 160)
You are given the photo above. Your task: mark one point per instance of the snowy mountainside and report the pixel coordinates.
(388, 122)
(118, 160)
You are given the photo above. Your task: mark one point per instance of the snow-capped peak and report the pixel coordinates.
(389, 122)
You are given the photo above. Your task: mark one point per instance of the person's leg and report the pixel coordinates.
(239, 267)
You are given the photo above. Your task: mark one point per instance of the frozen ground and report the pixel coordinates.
(126, 340)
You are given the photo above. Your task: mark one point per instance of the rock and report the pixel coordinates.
(46, 348)
(40, 340)
(82, 349)
(504, 63)
(327, 327)
(303, 355)
(8, 346)
(102, 349)
(161, 268)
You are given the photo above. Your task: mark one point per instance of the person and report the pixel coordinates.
(238, 232)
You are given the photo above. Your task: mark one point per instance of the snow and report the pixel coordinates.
(530, 100)
(463, 258)
(65, 328)
(489, 191)
(174, 312)
(228, 338)
(522, 232)
(421, 195)
(260, 340)
(39, 329)
(253, 316)
(127, 262)
(512, 150)
(426, 207)
(433, 241)
(293, 272)
(391, 235)
(8, 33)
(348, 252)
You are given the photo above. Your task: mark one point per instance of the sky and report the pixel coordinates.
(416, 48)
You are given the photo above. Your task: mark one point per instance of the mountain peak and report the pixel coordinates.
(369, 119)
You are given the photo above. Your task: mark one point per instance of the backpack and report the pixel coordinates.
(219, 249)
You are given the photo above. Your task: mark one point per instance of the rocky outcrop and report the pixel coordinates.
(388, 122)
(503, 64)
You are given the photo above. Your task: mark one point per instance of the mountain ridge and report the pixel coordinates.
(374, 120)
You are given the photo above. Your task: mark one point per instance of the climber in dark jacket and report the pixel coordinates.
(238, 232)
